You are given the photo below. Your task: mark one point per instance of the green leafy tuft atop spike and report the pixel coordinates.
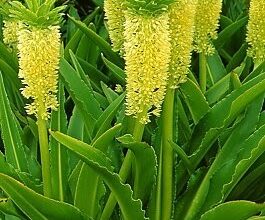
(148, 7)
(36, 13)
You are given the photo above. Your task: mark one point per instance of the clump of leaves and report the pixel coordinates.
(100, 157)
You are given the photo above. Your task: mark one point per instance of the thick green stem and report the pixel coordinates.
(124, 171)
(138, 131)
(203, 71)
(45, 156)
(256, 64)
(159, 189)
(167, 154)
(137, 134)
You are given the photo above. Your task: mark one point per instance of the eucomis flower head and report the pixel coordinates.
(10, 30)
(114, 11)
(39, 51)
(206, 24)
(147, 56)
(39, 54)
(256, 31)
(182, 14)
(10, 25)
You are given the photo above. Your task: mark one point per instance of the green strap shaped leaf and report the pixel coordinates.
(11, 74)
(236, 157)
(81, 94)
(229, 31)
(235, 210)
(104, 121)
(104, 140)
(195, 100)
(187, 197)
(251, 179)
(146, 166)
(94, 74)
(209, 128)
(102, 44)
(219, 118)
(8, 57)
(221, 88)
(232, 161)
(14, 148)
(36, 206)
(8, 207)
(74, 41)
(238, 58)
(80, 70)
(88, 182)
(117, 73)
(58, 156)
(216, 69)
(130, 208)
(87, 186)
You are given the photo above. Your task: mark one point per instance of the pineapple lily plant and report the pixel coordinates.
(132, 110)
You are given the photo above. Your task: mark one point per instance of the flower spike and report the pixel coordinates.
(147, 55)
(114, 10)
(206, 24)
(39, 51)
(256, 31)
(182, 14)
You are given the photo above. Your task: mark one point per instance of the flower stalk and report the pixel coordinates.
(39, 51)
(167, 154)
(45, 155)
(181, 14)
(203, 72)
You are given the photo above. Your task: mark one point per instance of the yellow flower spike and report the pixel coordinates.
(182, 14)
(256, 31)
(147, 56)
(10, 30)
(39, 51)
(206, 24)
(114, 12)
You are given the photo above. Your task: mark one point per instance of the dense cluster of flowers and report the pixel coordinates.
(147, 55)
(114, 11)
(256, 31)
(39, 50)
(206, 24)
(33, 30)
(182, 14)
(157, 42)
(10, 30)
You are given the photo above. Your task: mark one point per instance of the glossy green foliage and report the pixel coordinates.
(103, 163)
